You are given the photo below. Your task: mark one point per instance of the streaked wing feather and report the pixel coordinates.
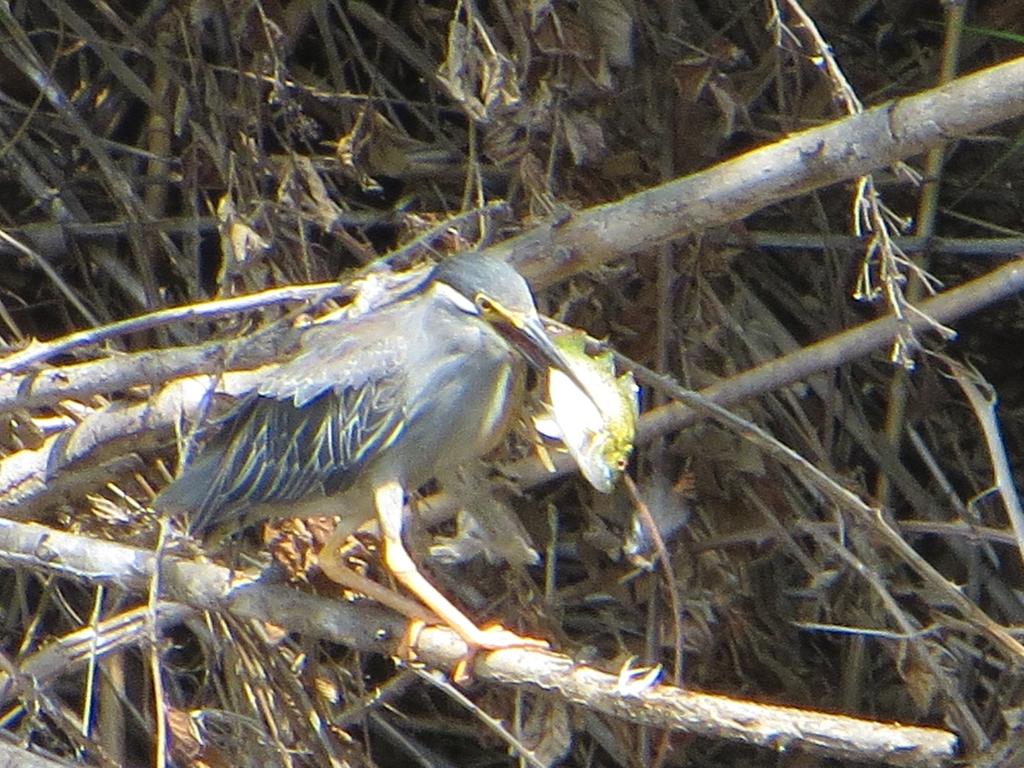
(271, 451)
(366, 423)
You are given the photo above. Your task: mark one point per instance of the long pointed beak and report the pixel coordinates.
(532, 339)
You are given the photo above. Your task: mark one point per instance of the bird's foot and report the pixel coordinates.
(493, 637)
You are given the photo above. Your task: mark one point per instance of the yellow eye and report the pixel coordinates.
(484, 304)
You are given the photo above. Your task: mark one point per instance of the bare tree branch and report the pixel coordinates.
(812, 159)
(631, 695)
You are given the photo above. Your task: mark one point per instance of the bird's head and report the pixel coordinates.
(596, 412)
(492, 290)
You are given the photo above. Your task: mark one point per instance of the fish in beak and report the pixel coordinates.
(598, 430)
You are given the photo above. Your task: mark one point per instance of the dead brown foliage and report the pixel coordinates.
(161, 154)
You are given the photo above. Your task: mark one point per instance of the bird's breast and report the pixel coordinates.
(465, 401)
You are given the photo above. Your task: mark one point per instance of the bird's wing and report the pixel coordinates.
(341, 355)
(311, 426)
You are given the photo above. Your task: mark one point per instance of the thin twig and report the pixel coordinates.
(984, 407)
(41, 352)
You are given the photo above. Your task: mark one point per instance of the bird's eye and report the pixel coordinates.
(483, 303)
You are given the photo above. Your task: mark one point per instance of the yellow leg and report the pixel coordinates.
(390, 502)
(333, 567)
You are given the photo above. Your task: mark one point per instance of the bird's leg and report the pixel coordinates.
(334, 568)
(390, 502)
